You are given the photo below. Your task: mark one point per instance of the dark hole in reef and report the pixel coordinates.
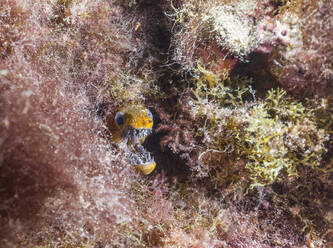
(155, 32)
(154, 29)
(277, 188)
(258, 69)
(165, 159)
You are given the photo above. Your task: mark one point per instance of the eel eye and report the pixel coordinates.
(149, 114)
(119, 119)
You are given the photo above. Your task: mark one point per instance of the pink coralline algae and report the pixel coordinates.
(56, 169)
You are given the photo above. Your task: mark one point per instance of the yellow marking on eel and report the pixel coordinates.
(136, 117)
(146, 169)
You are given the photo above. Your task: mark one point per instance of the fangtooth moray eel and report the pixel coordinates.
(131, 125)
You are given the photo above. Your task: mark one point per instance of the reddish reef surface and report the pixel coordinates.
(241, 97)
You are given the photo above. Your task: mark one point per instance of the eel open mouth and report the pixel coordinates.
(131, 126)
(142, 160)
(134, 135)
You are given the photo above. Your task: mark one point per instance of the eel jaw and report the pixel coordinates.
(142, 160)
(134, 135)
(146, 169)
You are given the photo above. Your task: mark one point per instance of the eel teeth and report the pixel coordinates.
(140, 157)
(135, 135)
